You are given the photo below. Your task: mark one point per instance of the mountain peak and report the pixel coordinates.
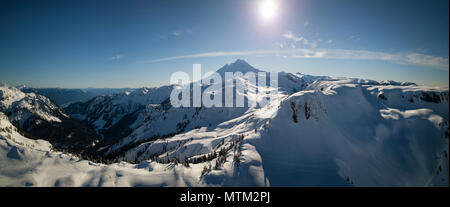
(238, 66)
(240, 62)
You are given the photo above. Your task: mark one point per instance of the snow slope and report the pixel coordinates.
(26, 162)
(347, 135)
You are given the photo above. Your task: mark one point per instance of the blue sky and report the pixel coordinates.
(78, 44)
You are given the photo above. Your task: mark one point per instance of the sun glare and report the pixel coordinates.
(268, 9)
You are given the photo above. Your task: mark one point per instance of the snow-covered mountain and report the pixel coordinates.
(336, 132)
(114, 116)
(38, 117)
(127, 119)
(322, 131)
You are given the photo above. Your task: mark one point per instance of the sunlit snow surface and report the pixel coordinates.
(346, 132)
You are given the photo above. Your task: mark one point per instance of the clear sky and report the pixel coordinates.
(79, 44)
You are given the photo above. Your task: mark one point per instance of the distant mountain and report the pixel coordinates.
(64, 96)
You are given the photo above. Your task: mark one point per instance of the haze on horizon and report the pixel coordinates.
(115, 44)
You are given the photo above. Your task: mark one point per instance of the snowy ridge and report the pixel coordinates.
(64, 96)
(21, 106)
(103, 112)
(40, 118)
(344, 135)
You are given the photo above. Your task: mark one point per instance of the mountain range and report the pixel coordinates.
(66, 96)
(321, 131)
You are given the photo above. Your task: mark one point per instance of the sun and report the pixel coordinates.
(268, 9)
